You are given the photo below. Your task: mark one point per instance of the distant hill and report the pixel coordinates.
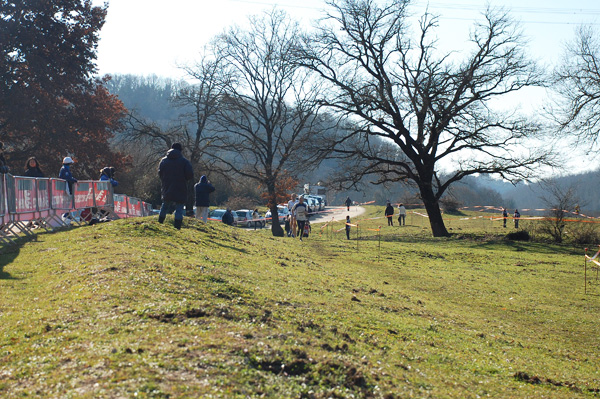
(151, 97)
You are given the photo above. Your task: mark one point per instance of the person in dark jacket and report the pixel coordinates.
(3, 167)
(348, 227)
(389, 214)
(65, 174)
(174, 172)
(227, 217)
(32, 168)
(348, 203)
(203, 189)
(107, 174)
(287, 224)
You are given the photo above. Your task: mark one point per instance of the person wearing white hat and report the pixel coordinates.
(65, 174)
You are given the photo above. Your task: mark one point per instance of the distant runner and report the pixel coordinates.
(301, 211)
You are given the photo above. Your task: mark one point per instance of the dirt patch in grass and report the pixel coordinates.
(536, 380)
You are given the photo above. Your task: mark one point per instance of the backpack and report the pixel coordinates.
(306, 230)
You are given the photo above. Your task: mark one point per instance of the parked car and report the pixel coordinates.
(282, 212)
(318, 201)
(312, 204)
(218, 214)
(245, 219)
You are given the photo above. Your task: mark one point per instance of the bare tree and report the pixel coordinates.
(195, 128)
(270, 119)
(560, 201)
(433, 108)
(577, 83)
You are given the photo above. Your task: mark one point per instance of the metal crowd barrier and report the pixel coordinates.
(27, 203)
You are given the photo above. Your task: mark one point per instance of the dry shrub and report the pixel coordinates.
(584, 233)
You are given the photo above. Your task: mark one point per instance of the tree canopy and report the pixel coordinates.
(51, 105)
(577, 83)
(431, 108)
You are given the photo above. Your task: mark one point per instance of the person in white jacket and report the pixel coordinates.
(401, 215)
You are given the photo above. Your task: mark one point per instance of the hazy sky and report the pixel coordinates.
(146, 37)
(155, 37)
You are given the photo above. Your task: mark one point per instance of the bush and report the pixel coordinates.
(450, 205)
(584, 233)
(520, 235)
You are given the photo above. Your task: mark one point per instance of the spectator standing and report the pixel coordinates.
(65, 174)
(203, 189)
(517, 216)
(287, 225)
(301, 211)
(3, 166)
(32, 168)
(504, 215)
(107, 174)
(348, 227)
(389, 214)
(401, 215)
(174, 172)
(292, 202)
(348, 203)
(227, 217)
(255, 216)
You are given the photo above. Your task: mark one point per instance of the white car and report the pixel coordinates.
(245, 219)
(217, 214)
(282, 212)
(318, 202)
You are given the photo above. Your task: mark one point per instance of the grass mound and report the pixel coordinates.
(134, 308)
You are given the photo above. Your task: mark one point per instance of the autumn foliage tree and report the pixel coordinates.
(51, 105)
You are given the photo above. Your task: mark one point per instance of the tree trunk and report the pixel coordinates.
(432, 206)
(276, 229)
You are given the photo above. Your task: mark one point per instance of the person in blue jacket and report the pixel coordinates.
(107, 174)
(65, 174)
(203, 189)
(174, 172)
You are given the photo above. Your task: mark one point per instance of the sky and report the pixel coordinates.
(155, 37)
(147, 37)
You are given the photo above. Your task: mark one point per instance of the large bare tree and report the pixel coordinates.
(577, 82)
(435, 109)
(269, 117)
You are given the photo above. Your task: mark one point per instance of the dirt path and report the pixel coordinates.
(337, 213)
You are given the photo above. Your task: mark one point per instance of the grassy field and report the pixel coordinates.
(134, 308)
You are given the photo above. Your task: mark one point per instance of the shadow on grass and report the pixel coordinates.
(537, 247)
(242, 250)
(495, 242)
(8, 254)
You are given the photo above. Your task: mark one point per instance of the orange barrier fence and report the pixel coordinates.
(32, 202)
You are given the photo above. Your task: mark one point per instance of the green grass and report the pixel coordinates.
(134, 308)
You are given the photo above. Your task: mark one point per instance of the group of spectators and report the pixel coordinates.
(389, 214)
(175, 171)
(33, 169)
(516, 217)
